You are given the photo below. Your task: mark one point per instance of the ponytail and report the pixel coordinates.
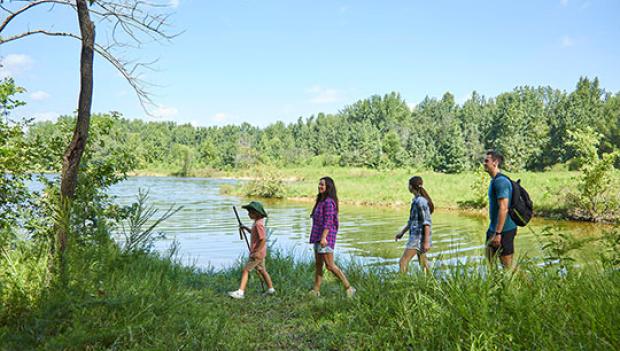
(416, 182)
(424, 193)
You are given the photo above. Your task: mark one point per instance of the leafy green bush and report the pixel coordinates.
(479, 191)
(593, 197)
(17, 159)
(267, 183)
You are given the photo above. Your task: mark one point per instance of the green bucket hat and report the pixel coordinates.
(256, 206)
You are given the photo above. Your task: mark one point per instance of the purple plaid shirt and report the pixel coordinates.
(325, 217)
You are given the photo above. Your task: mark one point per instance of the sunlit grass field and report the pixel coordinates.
(370, 187)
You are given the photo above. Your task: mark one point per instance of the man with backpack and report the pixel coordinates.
(502, 228)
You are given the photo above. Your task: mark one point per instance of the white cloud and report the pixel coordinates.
(563, 2)
(39, 95)
(174, 3)
(45, 116)
(14, 64)
(411, 106)
(324, 95)
(219, 117)
(567, 42)
(165, 112)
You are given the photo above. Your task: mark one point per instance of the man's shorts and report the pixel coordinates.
(258, 263)
(507, 246)
(322, 250)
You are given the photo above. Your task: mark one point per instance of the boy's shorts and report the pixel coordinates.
(258, 263)
(322, 250)
(507, 246)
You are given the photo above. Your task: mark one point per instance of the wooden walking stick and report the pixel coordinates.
(241, 232)
(242, 235)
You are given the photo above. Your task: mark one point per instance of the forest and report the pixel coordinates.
(534, 127)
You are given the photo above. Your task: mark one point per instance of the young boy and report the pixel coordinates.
(258, 250)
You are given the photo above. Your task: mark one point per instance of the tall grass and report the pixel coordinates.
(24, 276)
(374, 187)
(142, 301)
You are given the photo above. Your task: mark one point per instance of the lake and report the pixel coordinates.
(206, 227)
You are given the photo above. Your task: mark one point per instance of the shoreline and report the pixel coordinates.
(544, 213)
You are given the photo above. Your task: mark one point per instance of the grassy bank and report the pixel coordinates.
(139, 301)
(362, 186)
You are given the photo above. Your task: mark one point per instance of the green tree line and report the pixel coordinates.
(531, 126)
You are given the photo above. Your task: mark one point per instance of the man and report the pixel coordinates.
(502, 229)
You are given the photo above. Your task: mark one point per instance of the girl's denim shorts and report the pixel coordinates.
(321, 250)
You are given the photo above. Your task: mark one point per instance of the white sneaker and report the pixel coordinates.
(314, 293)
(351, 292)
(237, 294)
(269, 292)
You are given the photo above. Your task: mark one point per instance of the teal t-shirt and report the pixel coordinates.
(499, 188)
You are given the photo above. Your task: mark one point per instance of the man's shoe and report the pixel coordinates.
(351, 292)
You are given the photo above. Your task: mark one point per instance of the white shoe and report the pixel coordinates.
(237, 294)
(314, 293)
(269, 292)
(351, 292)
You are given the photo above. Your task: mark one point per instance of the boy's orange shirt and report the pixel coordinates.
(258, 235)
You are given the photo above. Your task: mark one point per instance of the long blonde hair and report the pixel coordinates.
(416, 183)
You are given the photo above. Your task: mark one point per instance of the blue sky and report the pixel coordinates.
(263, 61)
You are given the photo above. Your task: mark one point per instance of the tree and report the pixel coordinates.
(474, 118)
(519, 128)
(582, 107)
(128, 23)
(611, 125)
(15, 159)
(451, 157)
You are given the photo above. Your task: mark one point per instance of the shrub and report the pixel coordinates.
(268, 183)
(479, 188)
(593, 198)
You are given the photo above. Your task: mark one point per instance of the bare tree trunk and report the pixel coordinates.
(73, 154)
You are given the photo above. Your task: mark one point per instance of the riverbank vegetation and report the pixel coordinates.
(137, 300)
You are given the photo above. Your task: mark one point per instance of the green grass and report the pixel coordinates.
(139, 301)
(369, 187)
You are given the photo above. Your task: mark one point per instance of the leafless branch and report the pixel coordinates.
(25, 8)
(127, 23)
(128, 69)
(38, 31)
